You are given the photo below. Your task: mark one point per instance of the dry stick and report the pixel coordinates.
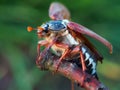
(73, 72)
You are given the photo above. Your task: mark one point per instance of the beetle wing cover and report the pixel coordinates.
(83, 30)
(58, 11)
(85, 41)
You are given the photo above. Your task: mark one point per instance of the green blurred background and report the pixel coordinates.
(18, 47)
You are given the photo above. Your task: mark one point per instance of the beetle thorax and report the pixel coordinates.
(57, 25)
(49, 38)
(69, 39)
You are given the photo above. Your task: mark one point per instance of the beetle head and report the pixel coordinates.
(41, 30)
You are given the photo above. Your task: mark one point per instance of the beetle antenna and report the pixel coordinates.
(29, 28)
(39, 28)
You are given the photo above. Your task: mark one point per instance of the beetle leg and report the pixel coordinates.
(45, 51)
(83, 67)
(75, 51)
(67, 50)
(72, 85)
(83, 30)
(40, 43)
(82, 61)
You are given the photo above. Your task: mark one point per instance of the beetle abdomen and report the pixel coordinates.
(90, 61)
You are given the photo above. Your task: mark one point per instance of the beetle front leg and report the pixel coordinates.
(40, 56)
(41, 43)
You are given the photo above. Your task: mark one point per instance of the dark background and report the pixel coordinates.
(18, 70)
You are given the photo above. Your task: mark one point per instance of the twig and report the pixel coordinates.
(73, 72)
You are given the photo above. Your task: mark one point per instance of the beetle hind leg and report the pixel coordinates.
(75, 51)
(83, 67)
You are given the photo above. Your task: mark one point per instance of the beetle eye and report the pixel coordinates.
(46, 28)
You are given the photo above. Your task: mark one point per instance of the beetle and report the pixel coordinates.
(67, 40)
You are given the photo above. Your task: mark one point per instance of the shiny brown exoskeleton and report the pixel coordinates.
(67, 40)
